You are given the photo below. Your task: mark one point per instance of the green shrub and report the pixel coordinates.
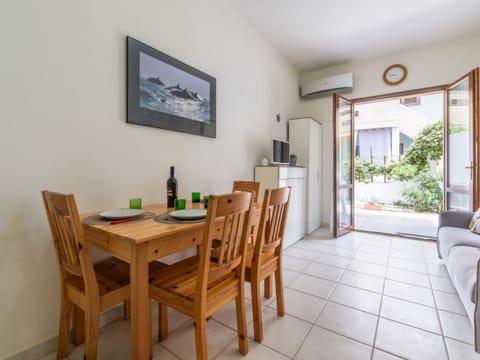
(425, 194)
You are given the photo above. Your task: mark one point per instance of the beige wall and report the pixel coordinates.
(428, 66)
(62, 125)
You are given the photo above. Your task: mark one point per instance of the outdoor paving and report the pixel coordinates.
(398, 223)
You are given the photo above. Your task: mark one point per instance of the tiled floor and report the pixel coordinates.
(360, 296)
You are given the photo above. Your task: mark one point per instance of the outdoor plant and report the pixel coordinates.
(426, 192)
(427, 146)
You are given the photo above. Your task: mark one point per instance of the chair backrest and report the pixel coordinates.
(236, 209)
(252, 186)
(272, 222)
(68, 238)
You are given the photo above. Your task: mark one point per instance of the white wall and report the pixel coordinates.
(63, 125)
(428, 66)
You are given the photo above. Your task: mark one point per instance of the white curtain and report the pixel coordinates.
(375, 143)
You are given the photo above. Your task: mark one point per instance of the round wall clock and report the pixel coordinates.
(395, 74)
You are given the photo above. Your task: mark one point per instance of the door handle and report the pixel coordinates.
(471, 167)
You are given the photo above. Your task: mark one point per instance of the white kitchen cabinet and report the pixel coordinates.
(305, 137)
(271, 177)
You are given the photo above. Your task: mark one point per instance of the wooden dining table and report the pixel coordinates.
(138, 243)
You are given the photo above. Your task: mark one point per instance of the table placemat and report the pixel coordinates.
(167, 219)
(98, 220)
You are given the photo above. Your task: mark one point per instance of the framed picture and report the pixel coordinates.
(166, 93)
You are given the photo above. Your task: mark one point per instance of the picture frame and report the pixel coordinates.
(165, 93)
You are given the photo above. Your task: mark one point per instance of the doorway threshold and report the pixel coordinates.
(406, 236)
(417, 236)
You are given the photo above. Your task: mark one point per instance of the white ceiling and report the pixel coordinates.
(318, 33)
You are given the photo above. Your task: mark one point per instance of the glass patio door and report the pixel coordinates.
(461, 144)
(343, 160)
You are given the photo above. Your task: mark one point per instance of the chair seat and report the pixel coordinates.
(180, 279)
(268, 263)
(112, 274)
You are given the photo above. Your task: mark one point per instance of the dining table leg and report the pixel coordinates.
(141, 339)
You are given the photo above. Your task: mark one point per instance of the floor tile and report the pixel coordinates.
(288, 276)
(409, 292)
(405, 264)
(294, 264)
(369, 248)
(449, 302)
(160, 353)
(382, 355)
(357, 298)
(313, 285)
(227, 314)
(301, 253)
(442, 284)
(349, 253)
(338, 318)
(323, 344)
(437, 268)
(175, 319)
(113, 343)
(303, 306)
(324, 271)
(316, 245)
(363, 281)
(333, 260)
(349, 322)
(285, 333)
(405, 254)
(370, 257)
(406, 312)
(408, 342)
(346, 243)
(182, 342)
(410, 277)
(461, 351)
(264, 300)
(255, 351)
(406, 244)
(367, 268)
(456, 326)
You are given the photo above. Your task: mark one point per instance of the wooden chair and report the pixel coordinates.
(265, 257)
(252, 186)
(85, 287)
(201, 285)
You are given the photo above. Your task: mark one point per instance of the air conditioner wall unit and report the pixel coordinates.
(340, 84)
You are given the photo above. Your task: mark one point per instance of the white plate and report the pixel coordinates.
(120, 214)
(189, 214)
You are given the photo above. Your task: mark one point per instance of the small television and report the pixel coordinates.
(280, 152)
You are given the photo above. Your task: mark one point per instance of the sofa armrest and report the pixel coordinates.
(459, 219)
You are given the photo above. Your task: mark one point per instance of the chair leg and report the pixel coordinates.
(279, 292)
(201, 339)
(268, 287)
(241, 321)
(126, 309)
(162, 322)
(257, 311)
(92, 319)
(78, 326)
(64, 327)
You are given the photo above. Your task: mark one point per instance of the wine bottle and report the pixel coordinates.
(172, 187)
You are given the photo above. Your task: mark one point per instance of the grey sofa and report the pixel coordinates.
(460, 250)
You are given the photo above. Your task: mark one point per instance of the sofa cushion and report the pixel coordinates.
(451, 236)
(476, 228)
(474, 219)
(462, 266)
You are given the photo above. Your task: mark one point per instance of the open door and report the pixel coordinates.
(343, 160)
(462, 144)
